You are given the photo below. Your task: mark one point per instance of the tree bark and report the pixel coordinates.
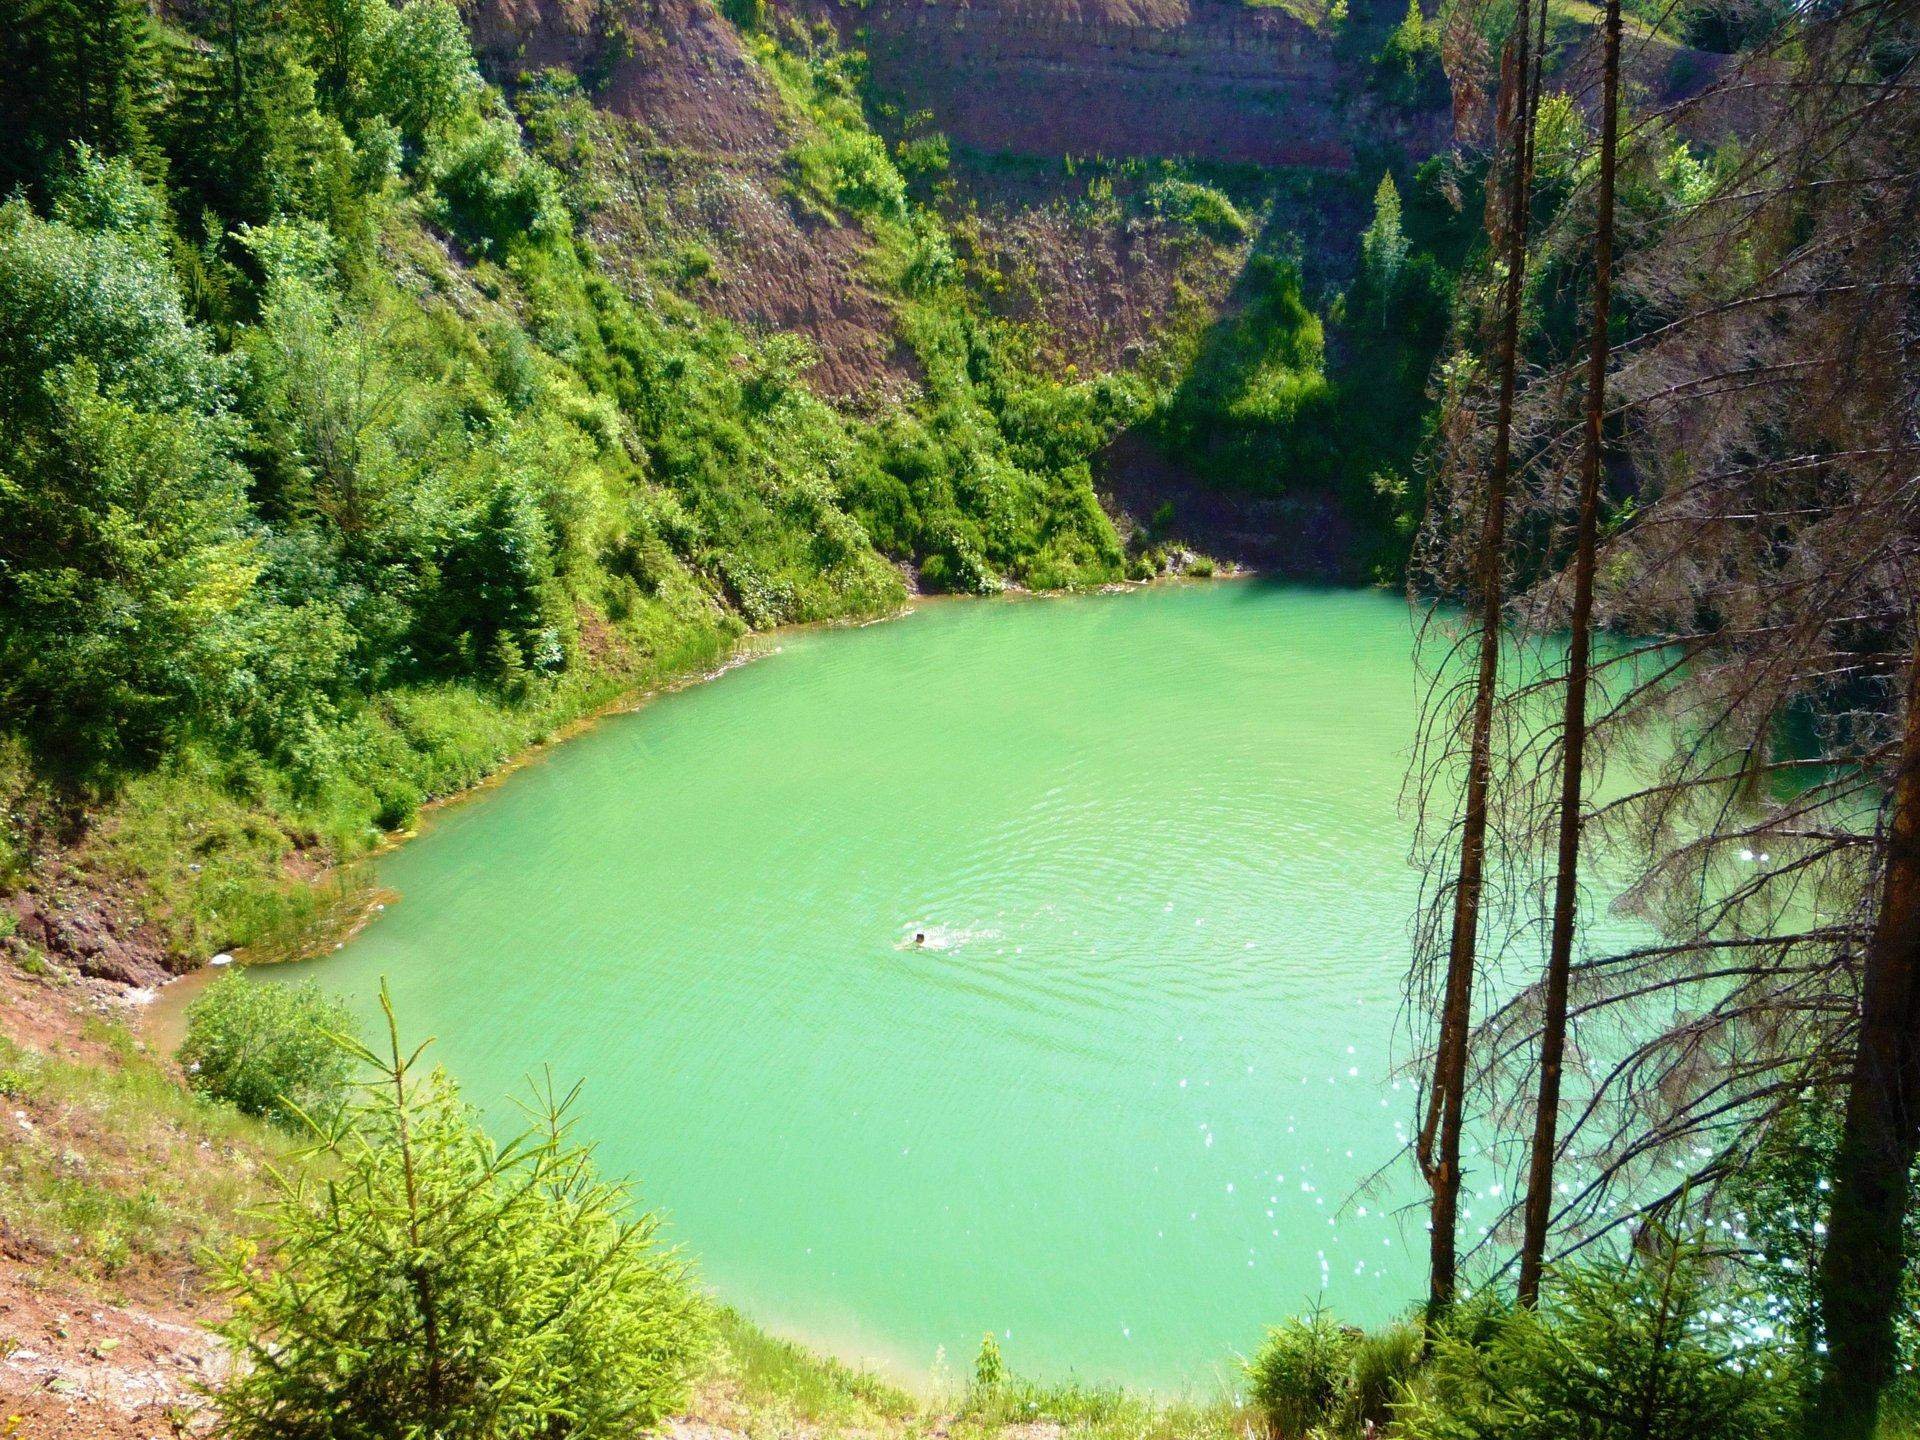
(1440, 1139)
(1573, 732)
(1864, 1260)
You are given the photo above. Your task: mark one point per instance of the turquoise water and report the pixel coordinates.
(1115, 1109)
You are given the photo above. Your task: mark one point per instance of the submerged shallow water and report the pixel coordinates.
(1114, 1109)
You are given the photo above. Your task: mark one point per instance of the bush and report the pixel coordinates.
(492, 195)
(454, 1288)
(1383, 1364)
(1200, 207)
(989, 1369)
(1299, 1374)
(267, 1049)
(1621, 1350)
(1408, 72)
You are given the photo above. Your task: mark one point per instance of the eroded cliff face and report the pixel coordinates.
(1217, 80)
(705, 144)
(699, 166)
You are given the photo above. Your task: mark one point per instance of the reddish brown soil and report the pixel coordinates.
(1218, 80)
(80, 1357)
(700, 166)
(90, 923)
(70, 1367)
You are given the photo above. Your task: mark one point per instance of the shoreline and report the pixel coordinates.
(843, 1353)
(157, 1016)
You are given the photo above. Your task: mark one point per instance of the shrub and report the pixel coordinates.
(1383, 1363)
(267, 1049)
(1299, 1373)
(1408, 72)
(454, 1288)
(492, 196)
(989, 1369)
(1200, 207)
(1620, 1350)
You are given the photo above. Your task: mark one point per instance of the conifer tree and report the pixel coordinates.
(83, 71)
(427, 1281)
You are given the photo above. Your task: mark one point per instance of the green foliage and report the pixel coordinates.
(1617, 1350)
(436, 1283)
(922, 158)
(267, 1049)
(1199, 207)
(1383, 244)
(989, 1369)
(1729, 26)
(123, 550)
(1407, 72)
(1255, 403)
(1559, 138)
(1298, 1376)
(839, 164)
(1775, 1210)
(491, 195)
(1382, 1365)
(421, 73)
(78, 71)
(247, 135)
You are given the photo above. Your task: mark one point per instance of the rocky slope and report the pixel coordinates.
(702, 139)
(1213, 80)
(699, 167)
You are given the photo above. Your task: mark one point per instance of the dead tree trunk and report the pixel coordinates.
(1864, 1260)
(1573, 732)
(1439, 1145)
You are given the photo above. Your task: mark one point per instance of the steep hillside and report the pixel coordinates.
(1103, 176)
(1210, 80)
(702, 163)
(694, 175)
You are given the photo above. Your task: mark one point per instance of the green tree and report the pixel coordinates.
(325, 398)
(339, 39)
(421, 70)
(248, 134)
(1383, 245)
(1616, 1350)
(1407, 72)
(1299, 1374)
(267, 1049)
(437, 1284)
(124, 544)
(79, 70)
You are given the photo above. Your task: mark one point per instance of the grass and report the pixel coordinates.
(112, 1174)
(768, 1387)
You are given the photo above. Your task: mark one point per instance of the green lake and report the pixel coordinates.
(1114, 1109)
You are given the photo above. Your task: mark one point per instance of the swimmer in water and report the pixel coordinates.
(919, 937)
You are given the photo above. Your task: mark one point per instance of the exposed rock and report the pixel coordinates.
(704, 141)
(92, 927)
(1217, 80)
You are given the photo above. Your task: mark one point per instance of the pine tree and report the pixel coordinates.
(427, 1281)
(1383, 246)
(84, 71)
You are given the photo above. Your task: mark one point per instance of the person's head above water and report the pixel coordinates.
(919, 937)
